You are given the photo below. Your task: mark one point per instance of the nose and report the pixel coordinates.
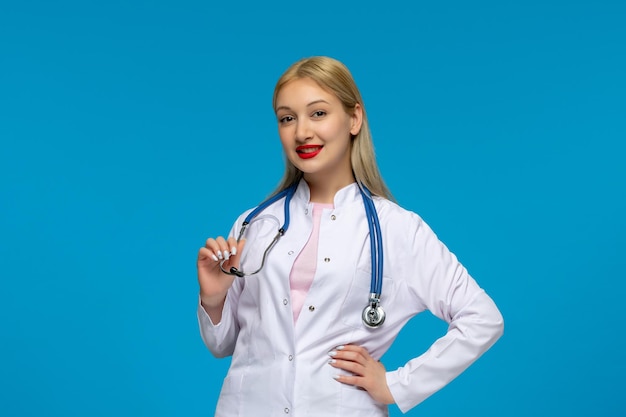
(303, 130)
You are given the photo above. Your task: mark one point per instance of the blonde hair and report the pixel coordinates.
(335, 77)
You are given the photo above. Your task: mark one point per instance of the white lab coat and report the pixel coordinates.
(281, 369)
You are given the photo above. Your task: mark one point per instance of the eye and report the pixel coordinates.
(319, 113)
(285, 119)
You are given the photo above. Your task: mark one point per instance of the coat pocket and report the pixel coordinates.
(358, 298)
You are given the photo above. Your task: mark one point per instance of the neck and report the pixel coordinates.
(323, 190)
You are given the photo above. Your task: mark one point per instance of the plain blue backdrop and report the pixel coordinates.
(131, 131)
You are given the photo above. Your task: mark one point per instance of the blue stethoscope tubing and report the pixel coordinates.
(287, 193)
(373, 315)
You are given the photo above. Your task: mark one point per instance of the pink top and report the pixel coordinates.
(303, 270)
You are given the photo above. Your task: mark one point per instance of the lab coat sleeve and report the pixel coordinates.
(220, 337)
(444, 286)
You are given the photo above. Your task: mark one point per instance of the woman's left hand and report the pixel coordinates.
(368, 373)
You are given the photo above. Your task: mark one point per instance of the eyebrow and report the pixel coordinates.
(308, 105)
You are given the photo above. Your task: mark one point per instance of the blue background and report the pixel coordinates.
(133, 130)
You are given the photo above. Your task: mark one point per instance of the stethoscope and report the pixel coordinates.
(373, 314)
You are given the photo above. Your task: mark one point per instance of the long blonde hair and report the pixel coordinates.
(335, 77)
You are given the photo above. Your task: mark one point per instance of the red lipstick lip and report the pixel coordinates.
(308, 155)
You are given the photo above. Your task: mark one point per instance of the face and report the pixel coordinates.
(316, 131)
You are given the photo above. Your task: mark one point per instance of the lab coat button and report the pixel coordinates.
(290, 357)
(311, 308)
(286, 410)
(285, 301)
(290, 252)
(333, 217)
(306, 211)
(326, 259)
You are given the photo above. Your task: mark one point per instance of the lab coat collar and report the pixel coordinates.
(347, 195)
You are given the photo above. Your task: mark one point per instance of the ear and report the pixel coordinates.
(357, 120)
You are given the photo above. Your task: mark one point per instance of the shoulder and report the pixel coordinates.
(393, 215)
(404, 230)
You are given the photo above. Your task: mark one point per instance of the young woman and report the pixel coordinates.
(306, 331)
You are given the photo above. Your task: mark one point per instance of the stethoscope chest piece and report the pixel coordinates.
(373, 315)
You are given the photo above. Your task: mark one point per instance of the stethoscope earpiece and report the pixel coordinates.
(235, 271)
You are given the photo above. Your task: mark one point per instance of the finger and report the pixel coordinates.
(350, 366)
(236, 249)
(212, 246)
(223, 252)
(232, 245)
(349, 380)
(351, 348)
(205, 254)
(350, 353)
(228, 247)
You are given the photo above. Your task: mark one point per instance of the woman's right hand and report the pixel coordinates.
(214, 283)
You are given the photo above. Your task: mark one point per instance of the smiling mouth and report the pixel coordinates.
(308, 151)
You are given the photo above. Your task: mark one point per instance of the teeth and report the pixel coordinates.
(309, 150)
